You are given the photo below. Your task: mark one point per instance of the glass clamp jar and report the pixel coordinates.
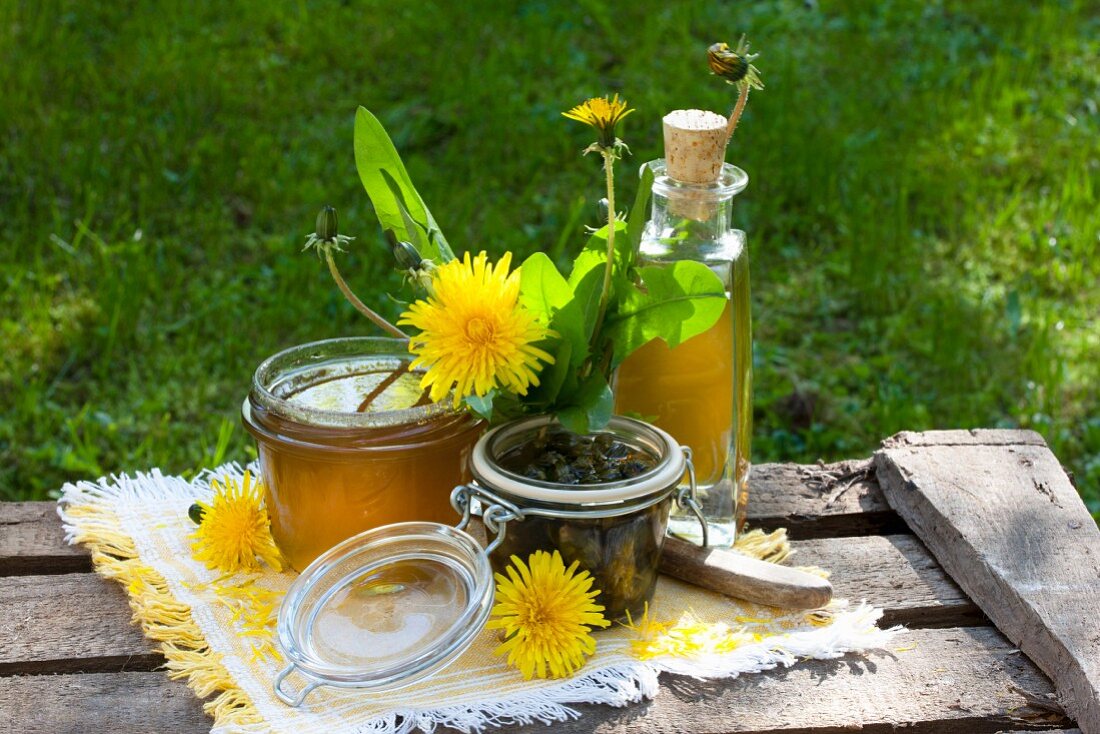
(384, 609)
(614, 530)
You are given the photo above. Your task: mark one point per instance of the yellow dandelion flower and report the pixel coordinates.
(603, 114)
(235, 532)
(474, 334)
(546, 611)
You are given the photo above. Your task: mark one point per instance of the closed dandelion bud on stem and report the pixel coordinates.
(326, 236)
(406, 255)
(327, 239)
(726, 64)
(327, 227)
(736, 68)
(734, 65)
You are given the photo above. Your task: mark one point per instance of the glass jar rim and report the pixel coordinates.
(659, 480)
(731, 181)
(326, 353)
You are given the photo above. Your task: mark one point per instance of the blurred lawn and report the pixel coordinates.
(923, 212)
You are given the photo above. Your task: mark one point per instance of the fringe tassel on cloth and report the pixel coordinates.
(93, 516)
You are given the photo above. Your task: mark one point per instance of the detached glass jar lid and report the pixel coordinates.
(384, 609)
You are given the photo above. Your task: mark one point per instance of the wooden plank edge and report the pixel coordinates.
(939, 681)
(32, 542)
(965, 437)
(135, 662)
(848, 525)
(44, 565)
(56, 622)
(841, 499)
(915, 618)
(809, 501)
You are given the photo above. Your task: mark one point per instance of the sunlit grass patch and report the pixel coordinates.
(922, 210)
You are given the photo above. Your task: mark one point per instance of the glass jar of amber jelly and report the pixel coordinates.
(336, 463)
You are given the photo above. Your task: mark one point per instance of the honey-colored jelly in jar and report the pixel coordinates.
(348, 442)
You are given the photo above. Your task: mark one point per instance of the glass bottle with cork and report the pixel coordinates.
(701, 391)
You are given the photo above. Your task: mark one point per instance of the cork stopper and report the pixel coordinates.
(695, 145)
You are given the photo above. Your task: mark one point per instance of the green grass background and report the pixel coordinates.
(923, 207)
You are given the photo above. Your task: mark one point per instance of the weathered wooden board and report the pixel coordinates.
(894, 572)
(820, 501)
(973, 437)
(807, 500)
(67, 622)
(1006, 523)
(120, 703)
(939, 680)
(961, 681)
(31, 541)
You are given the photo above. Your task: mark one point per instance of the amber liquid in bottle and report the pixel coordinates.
(701, 391)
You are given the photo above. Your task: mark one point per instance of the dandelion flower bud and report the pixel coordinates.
(734, 65)
(327, 226)
(326, 235)
(406, 255)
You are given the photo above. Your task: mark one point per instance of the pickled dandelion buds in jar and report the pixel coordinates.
(235, 533)
(546, 612)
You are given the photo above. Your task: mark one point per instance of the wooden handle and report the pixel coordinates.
(737, 575)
